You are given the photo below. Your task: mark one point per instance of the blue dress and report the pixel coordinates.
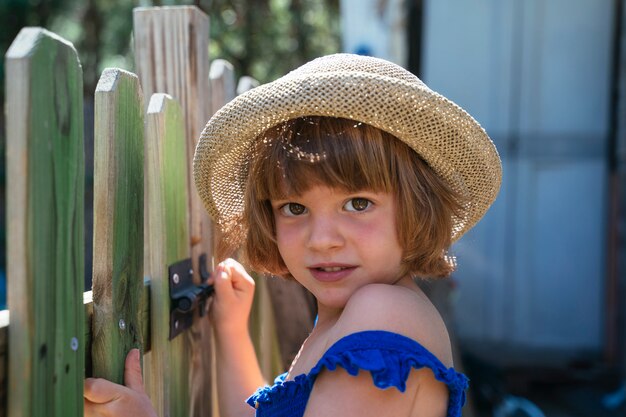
(389, 357)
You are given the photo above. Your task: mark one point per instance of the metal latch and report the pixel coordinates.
(185, 297)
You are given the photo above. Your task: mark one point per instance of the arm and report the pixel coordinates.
(398, 310)
(339, 393)
(238, 371)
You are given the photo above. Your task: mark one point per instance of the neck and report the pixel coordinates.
(327, 316)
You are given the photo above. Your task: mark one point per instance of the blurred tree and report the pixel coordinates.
(261, 38)
(267, 38)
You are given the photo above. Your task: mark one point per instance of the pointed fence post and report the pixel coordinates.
(246, 83)
(118, 222)
(222, 83)
(167, 365)
(222, 86)
(171, 56)
(45, 190)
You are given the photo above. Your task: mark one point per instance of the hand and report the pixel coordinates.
(105, 399)
(232, 302)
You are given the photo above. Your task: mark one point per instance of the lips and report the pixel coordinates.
(331, 272)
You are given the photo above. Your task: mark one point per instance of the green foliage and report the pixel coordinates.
(267, 38)
(261, 38)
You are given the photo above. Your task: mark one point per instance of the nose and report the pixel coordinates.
(324, 233)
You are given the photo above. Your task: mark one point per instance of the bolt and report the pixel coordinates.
(176, 279)
(74, 344)
(122, 324)
(176, 324)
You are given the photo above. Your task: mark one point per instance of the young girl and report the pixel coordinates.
(352, 177)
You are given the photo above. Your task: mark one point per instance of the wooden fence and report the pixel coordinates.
(147, 219)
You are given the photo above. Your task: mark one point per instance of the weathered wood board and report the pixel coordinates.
(118, 222)
(171, 56)
(45, 257)
(167, 366)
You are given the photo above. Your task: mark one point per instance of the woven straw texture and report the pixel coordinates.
(364, 89)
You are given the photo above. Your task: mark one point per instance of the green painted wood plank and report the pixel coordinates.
(118, 222)
(171, 56)
(167, 365)
(45, 257)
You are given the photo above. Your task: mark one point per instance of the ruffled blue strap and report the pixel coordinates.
(390, 357)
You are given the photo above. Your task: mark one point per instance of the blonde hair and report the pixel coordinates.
(341, 153)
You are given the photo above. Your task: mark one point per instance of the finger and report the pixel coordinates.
(92, 410)
(98, 390)
(223, 284)
(133, 378)
(240, 277)
(221, 277)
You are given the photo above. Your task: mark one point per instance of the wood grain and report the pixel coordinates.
(171, 55)
(167, 365)
(118, 222)
(222, 83)
(45, 189)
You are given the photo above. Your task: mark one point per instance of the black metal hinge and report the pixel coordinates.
(186, 297)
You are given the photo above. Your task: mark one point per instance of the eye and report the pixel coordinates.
(357, 204)
(293, 209)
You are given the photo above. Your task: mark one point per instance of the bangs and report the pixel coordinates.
(333, 152)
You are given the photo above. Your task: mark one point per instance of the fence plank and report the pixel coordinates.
(222, 86)
(118, 222)
(171, 56)
(263, 331)
(263, 328)
(222, 83)
(246, 83)
(167, 364)
(294, 309)
(45, 189)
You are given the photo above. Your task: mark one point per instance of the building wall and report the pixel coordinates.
(536, 74)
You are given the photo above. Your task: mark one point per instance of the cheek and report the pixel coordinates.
(384, 237)
(285, 240)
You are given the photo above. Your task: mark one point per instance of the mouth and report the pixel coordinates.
(331, 268)
(331, 273)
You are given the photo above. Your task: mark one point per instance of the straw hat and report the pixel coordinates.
(365, 89)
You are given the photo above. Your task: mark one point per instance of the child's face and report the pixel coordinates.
(334, 242)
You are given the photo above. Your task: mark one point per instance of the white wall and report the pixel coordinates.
(535, 73)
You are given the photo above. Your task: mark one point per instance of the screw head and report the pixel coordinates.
(176, 324)
(74, 344)
(176, 279)
(122, 324)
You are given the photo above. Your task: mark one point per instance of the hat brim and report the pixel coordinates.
(442, 133)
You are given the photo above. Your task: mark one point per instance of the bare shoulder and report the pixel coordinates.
(397, 309)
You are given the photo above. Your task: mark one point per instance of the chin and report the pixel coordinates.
(333, 301)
